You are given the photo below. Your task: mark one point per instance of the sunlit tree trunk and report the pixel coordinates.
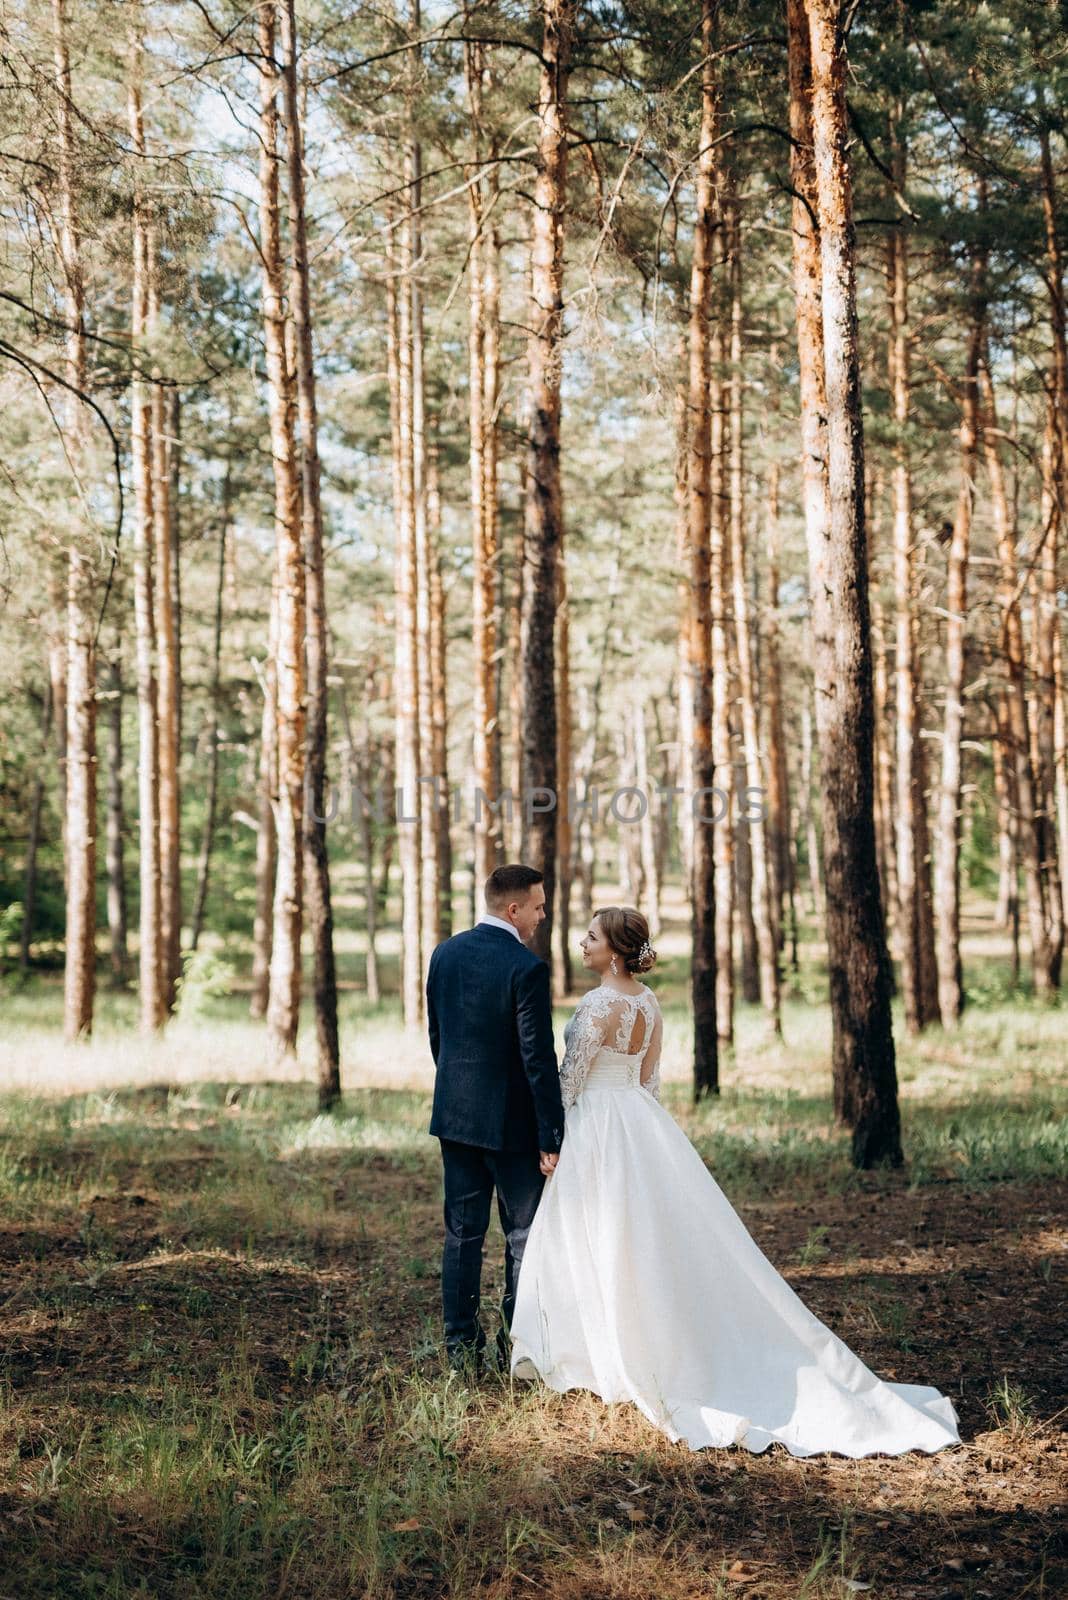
(722, 807)
(491, 499)
(212, 739)
(80, 943)
(266, 836)
(514, 612)
(915, 925)
(884, 760)
(408, 710)
(116, 824)
(283, 1001)
(650, 856)
(439, 708)
(151, 991)
(167, 685)
(742, 863)
(777, 797)
(1060, 758)
(432, 796)
(56, 644)
(865, 1077)
(316, 866)
(565, 780)
(1043, 584)
(172, 405)
(482, 342)
(684, 698)
(751, 764)
(1006, 793)
(544, 504)
(704, 887)
(950, 977)
(1053, 781)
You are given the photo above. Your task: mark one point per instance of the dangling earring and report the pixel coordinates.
(615, 968)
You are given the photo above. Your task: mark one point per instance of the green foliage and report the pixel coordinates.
(206, 977)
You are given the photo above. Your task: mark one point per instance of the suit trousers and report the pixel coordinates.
(471, 1175)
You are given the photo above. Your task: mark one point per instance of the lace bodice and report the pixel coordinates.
(604, 1019)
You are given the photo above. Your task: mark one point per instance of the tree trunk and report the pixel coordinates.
(57, 678)
(913, 877)
(865, 1076)
(486, 556)
(950, 976)
(742, 866)
(517, 581)
(151, 992)
(767, 988)
(1060, 757)
(565, 779)
(1045, 631)
(651, 863)
(173, 411)
(167, 687)
(432, 797)
(362, 764)
(211, 803)
(684, 562)
(778, 808)
(316, 866)
(1012, 647)
(1005, 790)
(723, 673)
(80, 944)
(544, 520)
(1053, 783)
(283, 1001)
(406, 587)
(439, 704)
(266, 835)
(704, 886)
(116, 827)
(884, 759)
(80, 969)
(33, 840)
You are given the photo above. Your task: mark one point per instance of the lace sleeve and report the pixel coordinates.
(584, 1036)
(650, 1068)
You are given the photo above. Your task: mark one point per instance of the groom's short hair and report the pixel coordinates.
(506, 883)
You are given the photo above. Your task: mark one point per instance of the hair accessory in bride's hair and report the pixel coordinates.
(645, 957)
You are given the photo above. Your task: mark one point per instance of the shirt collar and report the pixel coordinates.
(485, 920)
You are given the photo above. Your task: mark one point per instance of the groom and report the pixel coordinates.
(497, 1108)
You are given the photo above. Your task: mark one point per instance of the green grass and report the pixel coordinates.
(219, 1345)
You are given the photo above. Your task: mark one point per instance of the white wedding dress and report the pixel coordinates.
(640, 1282)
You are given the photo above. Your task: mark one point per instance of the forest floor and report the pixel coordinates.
(220, 1372)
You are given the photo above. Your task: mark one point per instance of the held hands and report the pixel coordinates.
(547, 1160)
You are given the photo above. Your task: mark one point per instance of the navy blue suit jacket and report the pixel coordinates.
(489, 1011)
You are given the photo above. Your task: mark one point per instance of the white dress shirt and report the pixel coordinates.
(499, 922)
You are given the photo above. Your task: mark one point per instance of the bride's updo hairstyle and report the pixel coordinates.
(628, 933)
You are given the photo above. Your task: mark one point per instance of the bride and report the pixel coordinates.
(641, 1283)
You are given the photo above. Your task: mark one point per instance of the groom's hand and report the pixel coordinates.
(547, 1162)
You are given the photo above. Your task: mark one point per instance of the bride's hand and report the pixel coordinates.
(547, 1162)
